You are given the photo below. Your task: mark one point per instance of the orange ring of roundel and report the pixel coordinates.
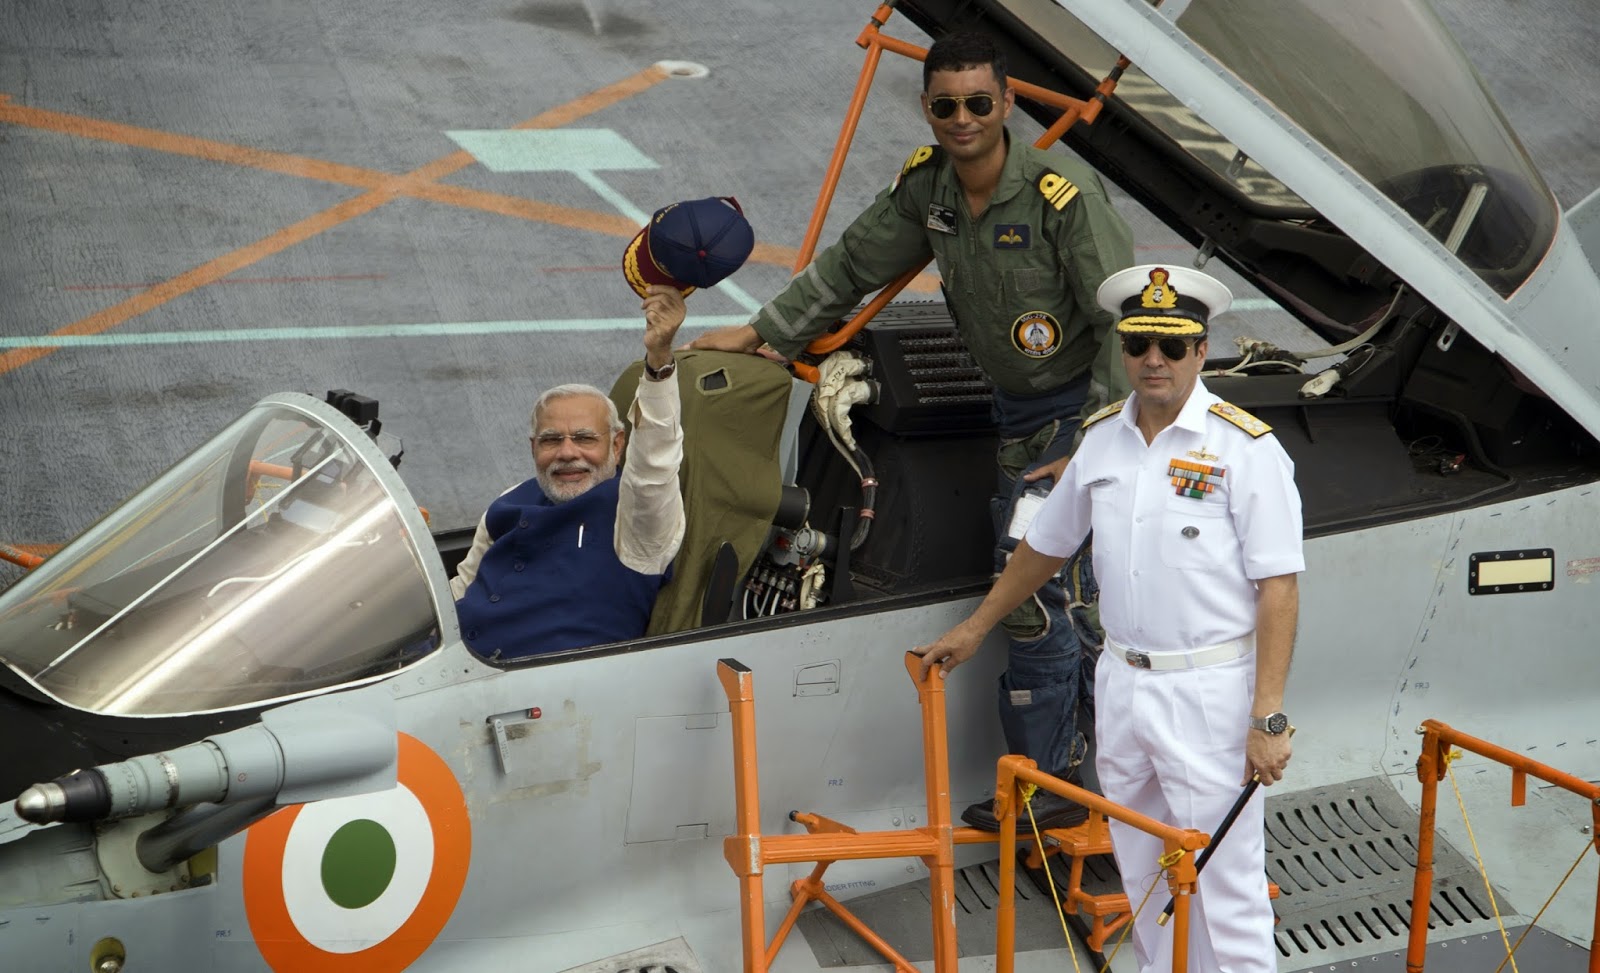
(281, 945)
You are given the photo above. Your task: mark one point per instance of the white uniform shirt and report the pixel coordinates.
(1176, 569)
(650, 519)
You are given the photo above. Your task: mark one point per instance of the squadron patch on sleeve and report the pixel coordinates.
(1036, 334)
(1057, 190)
(1105, 413)
(1244, 420)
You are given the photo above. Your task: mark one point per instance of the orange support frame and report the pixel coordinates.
(18, 556)
(1015, 771)
(875, 43)
(748, 851)
(1437, 739)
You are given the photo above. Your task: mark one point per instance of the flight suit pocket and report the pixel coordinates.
(1196, 535)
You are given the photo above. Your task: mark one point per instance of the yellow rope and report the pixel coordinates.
(1586, 846)
(1450, 758)
(1165, 861)
(1038, 839)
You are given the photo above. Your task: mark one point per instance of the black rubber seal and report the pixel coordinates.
(88, 797)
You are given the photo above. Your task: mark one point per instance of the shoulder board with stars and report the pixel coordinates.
(1105, 413)
(1244, 420)
(922, 154)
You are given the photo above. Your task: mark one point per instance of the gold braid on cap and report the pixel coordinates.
(1166, 325)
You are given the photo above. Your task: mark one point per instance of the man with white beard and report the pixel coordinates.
(574, 556)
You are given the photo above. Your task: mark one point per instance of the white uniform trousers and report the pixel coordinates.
(1171, 745)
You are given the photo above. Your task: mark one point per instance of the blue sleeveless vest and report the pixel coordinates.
(539, 590)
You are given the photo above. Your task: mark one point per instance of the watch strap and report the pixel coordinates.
(1266, 723)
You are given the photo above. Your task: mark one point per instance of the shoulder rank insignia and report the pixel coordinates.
(1057, 190)
(1105, 413)
(921, 154)
(1244, 420)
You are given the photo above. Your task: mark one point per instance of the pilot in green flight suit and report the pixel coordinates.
(1023, 239)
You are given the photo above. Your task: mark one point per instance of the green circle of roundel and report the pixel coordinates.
(358, 863)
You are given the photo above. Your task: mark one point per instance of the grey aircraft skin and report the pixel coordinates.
(304, 768)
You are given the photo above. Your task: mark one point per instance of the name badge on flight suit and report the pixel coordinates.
(941, 219)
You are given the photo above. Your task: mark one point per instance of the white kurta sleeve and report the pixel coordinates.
(467, 570)
(650, 517)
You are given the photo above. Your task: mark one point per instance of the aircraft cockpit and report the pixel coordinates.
(279, 559)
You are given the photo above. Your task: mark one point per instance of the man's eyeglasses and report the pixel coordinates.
(1138, 345)
(548, 441)
(945, 105)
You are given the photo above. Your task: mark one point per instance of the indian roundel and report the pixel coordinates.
(360, 883)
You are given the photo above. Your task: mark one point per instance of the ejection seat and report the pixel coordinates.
(734, 408)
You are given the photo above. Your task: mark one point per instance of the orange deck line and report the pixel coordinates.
(206, 273)
(147, 138)
(308, 168)
(381, 188)
(317, 223)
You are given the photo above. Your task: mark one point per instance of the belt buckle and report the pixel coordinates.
(1139, 660)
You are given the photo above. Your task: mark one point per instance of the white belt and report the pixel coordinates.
(1194, 659)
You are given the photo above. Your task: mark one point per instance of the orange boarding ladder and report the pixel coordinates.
(1432, 766)
(1181, 844)
(875, 43)
(749, 851)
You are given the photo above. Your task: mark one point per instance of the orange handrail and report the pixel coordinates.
(1012, 772)
(875, 43)
(18, 556)
(260, 468)
(748, 851)
(1432, 764)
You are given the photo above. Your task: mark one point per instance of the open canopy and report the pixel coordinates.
(281, 558)
(1379, 84)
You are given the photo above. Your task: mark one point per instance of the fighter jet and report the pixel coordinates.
(245, 733)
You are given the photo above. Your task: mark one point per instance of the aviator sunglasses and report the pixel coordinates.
(1172, 349)
(945, 105)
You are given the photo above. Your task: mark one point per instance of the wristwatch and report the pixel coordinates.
(664, 372)
(1273, 724)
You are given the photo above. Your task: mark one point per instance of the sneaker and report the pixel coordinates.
(1049, 810)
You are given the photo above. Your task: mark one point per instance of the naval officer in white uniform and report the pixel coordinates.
(1197, 545)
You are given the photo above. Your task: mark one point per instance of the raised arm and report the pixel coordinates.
(882, 243)
(650, 518)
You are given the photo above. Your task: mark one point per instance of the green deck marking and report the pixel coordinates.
(351, 332)
(553, 150)
(354, 332)
(358, 864)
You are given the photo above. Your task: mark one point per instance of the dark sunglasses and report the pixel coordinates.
(945, 105)
(1172, 349)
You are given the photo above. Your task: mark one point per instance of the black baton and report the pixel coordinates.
(1216, 839)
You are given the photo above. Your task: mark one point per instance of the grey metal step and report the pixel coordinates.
(1343, 858)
